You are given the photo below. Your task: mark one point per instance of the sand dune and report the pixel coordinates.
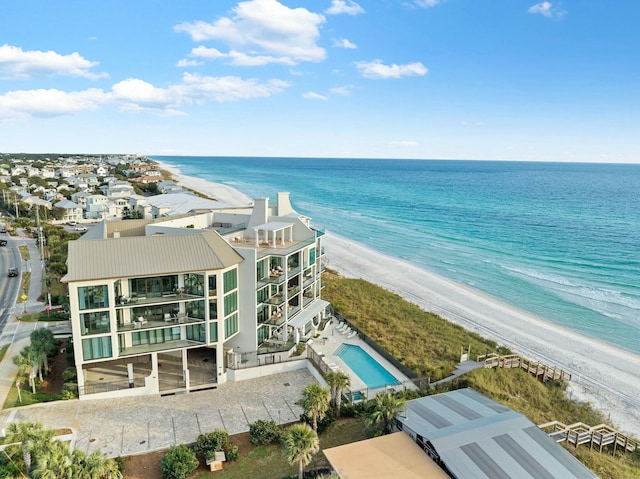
(603, 375)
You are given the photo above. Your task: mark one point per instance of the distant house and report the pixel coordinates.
(73, 212)
(118, 189)
(101, 171)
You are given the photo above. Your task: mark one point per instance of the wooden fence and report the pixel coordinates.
(541, 371)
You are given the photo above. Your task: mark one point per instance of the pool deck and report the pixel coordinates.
(331, 339)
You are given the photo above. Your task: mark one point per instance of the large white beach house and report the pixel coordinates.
(178, 303)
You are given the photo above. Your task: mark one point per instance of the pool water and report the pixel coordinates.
(372, 373)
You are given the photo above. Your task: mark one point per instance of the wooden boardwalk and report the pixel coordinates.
(599, 436)
(541, 371)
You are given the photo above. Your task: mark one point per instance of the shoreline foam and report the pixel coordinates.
(605, 376)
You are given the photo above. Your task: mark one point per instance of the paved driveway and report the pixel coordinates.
(120, 427)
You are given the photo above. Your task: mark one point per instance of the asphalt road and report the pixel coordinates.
(9, 287)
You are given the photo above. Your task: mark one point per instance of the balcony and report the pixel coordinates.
(155, 298)
(276, 300)
(165, 346)
(142, 323)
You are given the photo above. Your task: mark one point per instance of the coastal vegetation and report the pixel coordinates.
(425, 343)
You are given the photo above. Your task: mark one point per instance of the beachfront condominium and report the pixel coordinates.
(177, 303)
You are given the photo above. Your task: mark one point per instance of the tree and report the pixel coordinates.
(55, 461)
(27, 363)
(178, 463)
(300, 444)
(338, 381)
(381, 411)
(211, 442)
(263, 432)
(30, 435)
(96, 466)
(315, 402)
(43, 342)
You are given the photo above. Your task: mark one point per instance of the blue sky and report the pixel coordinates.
(468, 79)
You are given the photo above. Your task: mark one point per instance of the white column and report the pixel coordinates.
(282, 236)
(290, 233)
(256, 232)
(274, 238)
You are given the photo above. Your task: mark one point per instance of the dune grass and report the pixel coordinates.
(422, 341)
(431, 345)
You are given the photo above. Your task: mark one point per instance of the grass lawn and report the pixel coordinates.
(27, 397)
(268, 462)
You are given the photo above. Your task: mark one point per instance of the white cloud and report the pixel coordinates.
(378, 70)
(16, 63)
(344, 90)
(198, 89)
(136, 91)
(21, 104)
(238, 58)
(404, 143)
(339, 7)
(427, 3)
(314, 96)
(547, 9)
(184, 63)
(265, 30)
(344, 43)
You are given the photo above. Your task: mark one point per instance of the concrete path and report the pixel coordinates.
(461, 368)
(121, 427)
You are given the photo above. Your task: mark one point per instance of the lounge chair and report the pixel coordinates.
(345, 331)
(352, 334)
(342, 327)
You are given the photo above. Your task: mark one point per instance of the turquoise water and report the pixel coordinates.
(372, 373)
(557, 239)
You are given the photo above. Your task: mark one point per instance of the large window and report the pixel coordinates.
(155, 336)
(195, 309)
(153, 287)
(213, 310)
(213, 332)
(263, 333)
(196, 332)
(94, 323)
(261, 269)
(263, 294)
(312, 255)
(93, 297)
(230, 325)
(230, 280)
(194, 284)
(213, 287)
(96, 348)
(230, 303)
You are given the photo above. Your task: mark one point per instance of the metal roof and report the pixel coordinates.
(148, 256)
(478, 438)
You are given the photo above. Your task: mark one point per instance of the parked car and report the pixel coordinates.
(3, 230)
(12, 272)
(3, 242)
(72, 223)
(80, 228)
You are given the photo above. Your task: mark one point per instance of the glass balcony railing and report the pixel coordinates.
(153, 347)
(276, 300)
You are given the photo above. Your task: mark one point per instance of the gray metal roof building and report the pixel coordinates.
(473, 437)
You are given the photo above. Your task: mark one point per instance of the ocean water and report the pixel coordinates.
(559, 240)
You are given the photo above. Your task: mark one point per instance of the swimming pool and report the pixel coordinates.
(372, 373)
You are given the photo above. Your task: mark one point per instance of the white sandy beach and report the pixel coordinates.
(603, 375)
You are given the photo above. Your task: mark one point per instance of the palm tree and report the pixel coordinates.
(55, 461)
(381, 411)
(338, 381)
(300, 444)
(30, 436)
(99, 466)
(26, 364)
(42, 340)
(315, 402)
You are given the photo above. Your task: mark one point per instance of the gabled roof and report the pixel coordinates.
(66, 204)
(148, 256)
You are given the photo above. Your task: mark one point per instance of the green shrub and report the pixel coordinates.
(232, 453)
(210, 442)
(178, 463)
(121, 466)
(263, 432)
(70, 375)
